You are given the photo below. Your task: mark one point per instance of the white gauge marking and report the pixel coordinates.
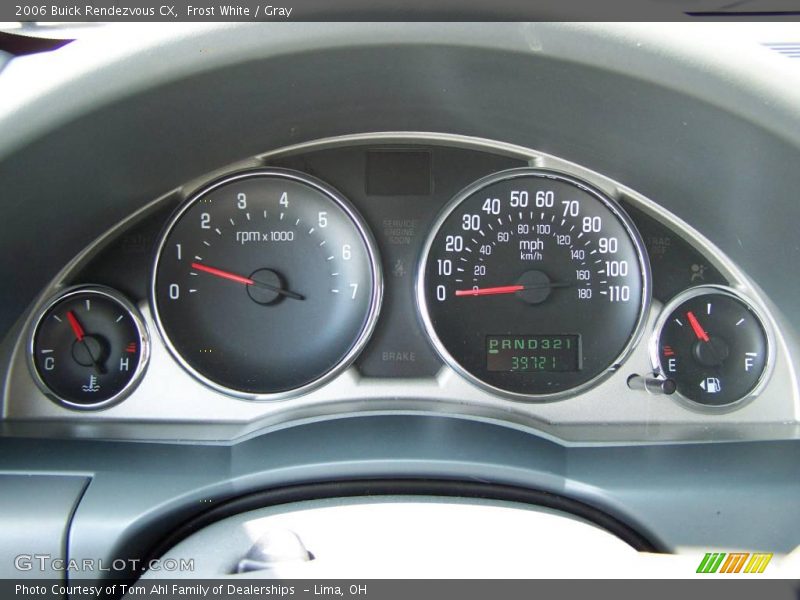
(739, 322)
(708, 308)
(119, 318)
(88, 304)
(678, 321)
(57, 318)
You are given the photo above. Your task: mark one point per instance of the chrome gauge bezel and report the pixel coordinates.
(610, 204)
(128, 306)
(376, 294)
(702, 290)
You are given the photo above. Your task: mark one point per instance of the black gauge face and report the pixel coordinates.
(265, 282)
(533, 283)
(88, 348)
(713, 345)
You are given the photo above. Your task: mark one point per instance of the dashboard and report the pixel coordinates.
(484, 279)
(553, 259)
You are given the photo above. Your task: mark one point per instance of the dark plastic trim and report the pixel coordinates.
(406, 487)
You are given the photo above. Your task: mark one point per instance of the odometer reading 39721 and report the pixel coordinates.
(533, 283)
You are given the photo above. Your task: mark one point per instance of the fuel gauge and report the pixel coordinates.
(712, 343)
(88, 348)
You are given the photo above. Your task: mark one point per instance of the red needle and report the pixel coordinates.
(491, 291)
(245, 280)
(76, 326)
(697, 328)
(224, 274)
(80, 334)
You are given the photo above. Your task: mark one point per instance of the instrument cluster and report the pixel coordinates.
(403, 270)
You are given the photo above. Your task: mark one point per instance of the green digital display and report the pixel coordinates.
(533, 353)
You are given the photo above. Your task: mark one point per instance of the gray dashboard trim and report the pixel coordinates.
(127, 60)
(37, 510)
(688, 495)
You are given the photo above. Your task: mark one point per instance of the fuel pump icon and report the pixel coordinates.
(711, 385)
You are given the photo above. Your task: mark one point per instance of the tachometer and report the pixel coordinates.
(266, 283)
(533, 283)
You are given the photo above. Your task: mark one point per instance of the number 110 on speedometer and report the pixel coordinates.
(527, 255)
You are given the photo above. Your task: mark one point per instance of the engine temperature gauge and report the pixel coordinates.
(712, 343)
(88, 348)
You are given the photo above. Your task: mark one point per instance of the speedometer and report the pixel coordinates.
(533, 283)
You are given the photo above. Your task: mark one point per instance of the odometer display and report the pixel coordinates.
(536, 259)
(533, 353)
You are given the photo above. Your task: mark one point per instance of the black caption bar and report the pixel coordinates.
(234, 588)
(391, 10)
